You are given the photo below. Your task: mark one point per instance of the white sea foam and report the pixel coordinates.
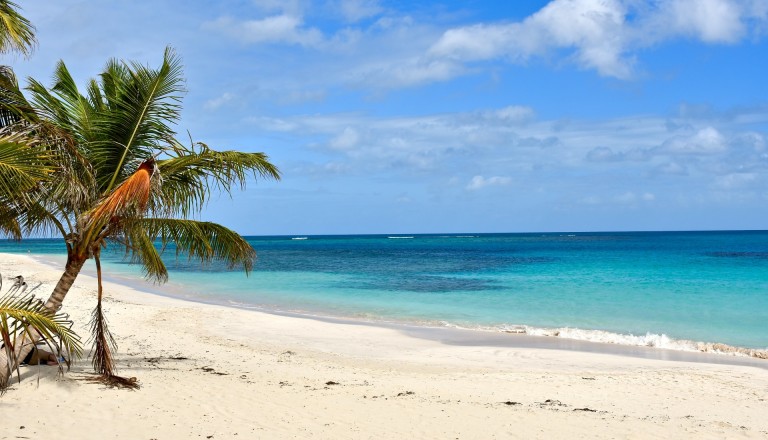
(647, 340)
(600, 336)
(396, 237)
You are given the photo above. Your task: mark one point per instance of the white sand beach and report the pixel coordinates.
(214, 372)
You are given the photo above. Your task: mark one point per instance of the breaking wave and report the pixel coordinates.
(647, 340)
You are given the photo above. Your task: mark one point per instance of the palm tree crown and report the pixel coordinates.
(122, 175)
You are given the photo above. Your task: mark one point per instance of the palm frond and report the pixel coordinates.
(20, 311)
(23, 161)
(143, 251)
(126, 201)
(103, 341)
(34, 217)
(203, 241)
(9, 222)
(190, 174)
(104, 344)
(16, 32)
(21, 314)
(36, 182)
(57, 104)
(14, 107)
(143, 104)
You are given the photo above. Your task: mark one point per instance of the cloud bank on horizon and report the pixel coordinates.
(452, 117)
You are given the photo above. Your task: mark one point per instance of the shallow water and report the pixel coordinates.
(664, 289)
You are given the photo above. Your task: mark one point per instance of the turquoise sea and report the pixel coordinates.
(663, 289)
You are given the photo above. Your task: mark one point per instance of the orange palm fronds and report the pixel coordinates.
(129, 198)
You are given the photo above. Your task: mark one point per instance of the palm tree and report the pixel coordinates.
(121, 176)
(23, 165)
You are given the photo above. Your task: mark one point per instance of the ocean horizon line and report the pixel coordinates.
(467, 233)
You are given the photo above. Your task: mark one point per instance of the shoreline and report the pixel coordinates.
(519, 337)
(211, 370)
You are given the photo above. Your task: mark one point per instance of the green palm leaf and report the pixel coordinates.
(9, 222)
(143, 103)
(16, 32)
(19, 312)
(190, 174)
(22, 314)
(13, 105)
(204, 241)
(23, 162)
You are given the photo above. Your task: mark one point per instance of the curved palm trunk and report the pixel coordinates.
(29, 339)
(71, 270)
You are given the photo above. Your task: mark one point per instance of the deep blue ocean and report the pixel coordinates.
(666, 289)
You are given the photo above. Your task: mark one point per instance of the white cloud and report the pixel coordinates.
(217, 102)
(672, 169)
(347, 140)
(282, 28)
(396, 51)
(479, 182)
(592, 28)
(294, 7)
(336, 168)
(472, 43)
(754, 140)
(626, 198)
(485, 150)
(273, 124)
(356, 10)
(601, 34)
(705, 141)
(713, 21)
(405, 73)
(515, 114)
(603, 154)
(735, 180)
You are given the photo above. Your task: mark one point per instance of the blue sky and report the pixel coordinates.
(409, 117)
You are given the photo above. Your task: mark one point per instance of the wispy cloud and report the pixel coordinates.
(704, 141)
(480, 182)
(213, 104)
(484, 149)
(283, 28)
(391, 50)
(346, 140)
(356, 10)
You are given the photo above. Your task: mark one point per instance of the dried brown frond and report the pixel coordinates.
(103, 344)
(130, 197)
(112, 381)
